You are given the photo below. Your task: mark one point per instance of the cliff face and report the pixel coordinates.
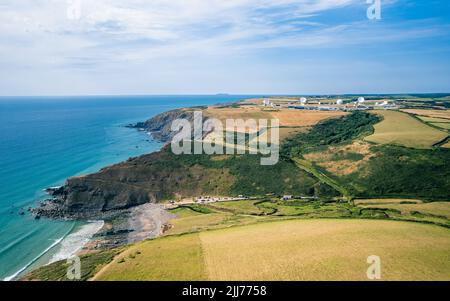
(135, 182)
(159, 126)
(149, 178)
(164, 175)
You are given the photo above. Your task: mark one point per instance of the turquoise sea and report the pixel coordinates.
(45, 140)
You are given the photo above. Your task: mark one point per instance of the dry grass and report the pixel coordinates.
(445, 126)
(432, 119)
(175, 258)
(434, 208)
(289, 132)
(430, 113)
(327, 159)
(401, 129)
(446, 145)
(385, 201)
(289, 117)
(327, 250)
(196, 222)
(290, 250)
(245, 112)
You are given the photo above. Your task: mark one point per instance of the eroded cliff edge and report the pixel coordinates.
(161, 176)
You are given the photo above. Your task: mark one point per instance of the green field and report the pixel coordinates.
(442, 125)
(363, 199)
(399, 128)
(434, 119)
(290, 250)
(436, 209)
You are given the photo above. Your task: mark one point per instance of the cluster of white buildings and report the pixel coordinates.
(210, 199)
(339, 105)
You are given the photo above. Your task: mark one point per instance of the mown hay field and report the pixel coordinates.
(433, 119)
(406, 206)
(174, 258)
(442, 125)
(429, 113)
(401, 129)
(291, 250)
(287, 117)
(290, 117)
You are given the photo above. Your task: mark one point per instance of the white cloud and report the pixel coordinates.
(37, 37)
(140, 29)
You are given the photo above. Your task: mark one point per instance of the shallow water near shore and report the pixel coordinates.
(45, 140)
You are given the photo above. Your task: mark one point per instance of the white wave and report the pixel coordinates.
(75, 241)
(70, 244)
(12, 277)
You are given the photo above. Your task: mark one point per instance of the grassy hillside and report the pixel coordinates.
(290, 250)
(401, 129)
(334, 152)
(182, 257)
(397, 171)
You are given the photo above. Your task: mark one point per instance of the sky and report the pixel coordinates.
(135, 47)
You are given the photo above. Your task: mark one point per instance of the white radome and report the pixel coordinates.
(303, 100)
(339, 101)
(361, 99)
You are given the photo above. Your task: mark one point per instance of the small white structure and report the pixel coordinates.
(303, 101)
(266, 102)
(287, 197)
(339, 102)
(361, 100)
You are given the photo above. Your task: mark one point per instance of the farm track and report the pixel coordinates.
(309, 168)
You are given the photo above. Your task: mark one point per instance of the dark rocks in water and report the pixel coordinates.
(55, 191)
(160, 125)
(21, 213)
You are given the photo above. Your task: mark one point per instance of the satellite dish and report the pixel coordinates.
(339, 101)
(303, 100)
(361, 100)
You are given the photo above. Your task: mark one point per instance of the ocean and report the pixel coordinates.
(45, 140)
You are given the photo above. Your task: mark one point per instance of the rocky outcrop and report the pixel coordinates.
(146, 179)
(160, 125)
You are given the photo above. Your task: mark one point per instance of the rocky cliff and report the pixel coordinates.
(160, 125)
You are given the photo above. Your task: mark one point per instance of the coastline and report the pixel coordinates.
(109, 229)
(109, 143)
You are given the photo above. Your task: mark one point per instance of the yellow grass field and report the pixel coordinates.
(174, 258)
(385, 201)
(432, 119)
(287, 117)
(401, 129)
(290, 117)
(447, 145)
(291, 250)
(429, 113)
(442, 125)
(434, 208)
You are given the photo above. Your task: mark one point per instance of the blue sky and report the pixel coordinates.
(79, 47)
